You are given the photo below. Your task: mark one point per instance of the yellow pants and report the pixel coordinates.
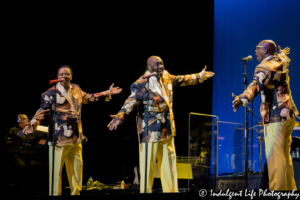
(278, 146)
(164, 152)
(71, 155)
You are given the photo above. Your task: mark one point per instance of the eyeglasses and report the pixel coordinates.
(260, 47)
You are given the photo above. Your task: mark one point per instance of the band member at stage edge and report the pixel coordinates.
(68, 127)
(161, 129)
(277, 109)
(25, 168)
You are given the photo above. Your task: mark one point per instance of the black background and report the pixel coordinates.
(105, 44)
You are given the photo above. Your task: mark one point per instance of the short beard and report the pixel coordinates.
(159, 75)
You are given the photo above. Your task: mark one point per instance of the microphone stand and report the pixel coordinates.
(53, 140)
(251, 171)
(259, 133)
(249, 110)
(146, 145)
(246, 129)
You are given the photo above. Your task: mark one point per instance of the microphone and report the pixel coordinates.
(149, 75)
(56, 80)
(247, 58)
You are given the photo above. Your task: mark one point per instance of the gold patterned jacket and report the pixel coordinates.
(160, 117)
(68, 127)
(271, 80)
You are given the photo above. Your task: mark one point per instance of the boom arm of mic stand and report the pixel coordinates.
(249, 109)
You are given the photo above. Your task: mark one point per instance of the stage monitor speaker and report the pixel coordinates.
(184, 171)
(184, 175)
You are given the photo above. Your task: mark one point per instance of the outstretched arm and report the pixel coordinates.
(114, 123)
(46, 103)
(191, 79)
(101, 96)
(258, 83)
(35, 121)
(137, 90)
(128, 106)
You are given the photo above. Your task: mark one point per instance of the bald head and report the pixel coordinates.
(155, 64)
(264, 49)
(269, 45)
(151, 59)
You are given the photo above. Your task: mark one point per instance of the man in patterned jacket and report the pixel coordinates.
(161, 129)
(68, 128)
(277, 111)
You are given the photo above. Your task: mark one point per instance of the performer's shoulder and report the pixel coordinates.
(50, 90)
(140, 80)
(75, 85)
(166, 73)
(262, 67)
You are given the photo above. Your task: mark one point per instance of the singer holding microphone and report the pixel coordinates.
(277, 111)
(161, 125)
(68, 127)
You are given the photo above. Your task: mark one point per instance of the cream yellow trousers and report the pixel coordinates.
(71, 155)
(165, 154)
(278, 146)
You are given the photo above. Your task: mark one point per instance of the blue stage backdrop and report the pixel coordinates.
(238, 27)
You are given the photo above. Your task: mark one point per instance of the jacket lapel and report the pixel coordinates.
(167, 86)
(63, 93)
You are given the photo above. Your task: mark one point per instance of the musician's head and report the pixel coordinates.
(22, 120)
(155, 64)
(65, 72)
(264, 49)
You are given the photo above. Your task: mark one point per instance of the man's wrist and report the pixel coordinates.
(108, 95)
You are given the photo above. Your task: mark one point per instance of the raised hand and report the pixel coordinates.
(236, 102)
(115, 90)
(285, 51)
(208, 74)
(115, 122)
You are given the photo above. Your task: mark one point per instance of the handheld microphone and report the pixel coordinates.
(247, 58)
(56, 80)
(149, 75)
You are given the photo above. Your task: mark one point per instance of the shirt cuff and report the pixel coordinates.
(245, 101)
(108, 98)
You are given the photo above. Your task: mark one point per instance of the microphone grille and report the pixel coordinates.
(155, 73)
(250, 57)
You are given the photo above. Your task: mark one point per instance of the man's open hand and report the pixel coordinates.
(115, 122)
(236, 102)
(285, 51)
(115, 90)
(208, 74)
